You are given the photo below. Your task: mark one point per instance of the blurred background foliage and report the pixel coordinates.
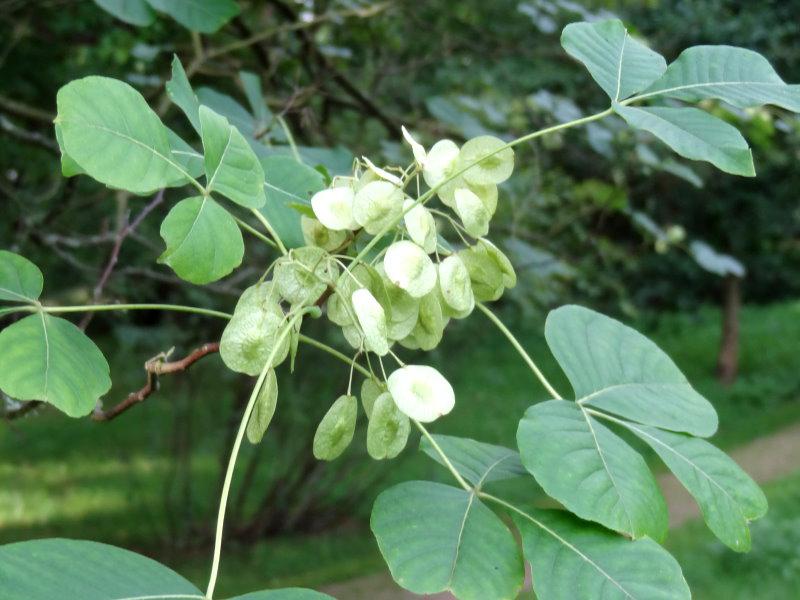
(593, 216)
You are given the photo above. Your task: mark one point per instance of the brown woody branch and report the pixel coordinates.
(154, 368)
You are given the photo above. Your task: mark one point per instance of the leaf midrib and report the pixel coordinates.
(458, 540)
(688, 86)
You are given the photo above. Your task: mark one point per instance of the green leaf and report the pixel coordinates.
(232, 168)
(477, 462)
(255, 97)
(49, 359)
(203, 241)
(229, 108)
(20, 279)
(694, 134)
(75, 569)
(69, 168)
(110, 131)
(205, 16)
(438, 538)
(285, 594)
(133, 12)
(591, 471)
(288, 182)
(617, 369)
(182, 95)
(335, 431)
(183, 154)
(572, 559)
(728, 497)
(738, 76)
(264, 408)
(621, 65)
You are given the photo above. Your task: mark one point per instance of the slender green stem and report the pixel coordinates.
(518, 347)
(431, 192)
(290, 139)
(237, 444)
(443, 456)
(20, 308)
(334, 352)
(253, 231)
(268, 226)
(107, 307)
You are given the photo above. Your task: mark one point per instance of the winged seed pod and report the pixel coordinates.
(335, 430)
(489, 270)
(264, 408)
(304, 274)
(388, 429)
(371, 388)
(405, 309)
(421, 392)
(249, 338)
(495, 168)
(334, 208)
(416, 147)
(472, 212)
(455, 285)
(429, 328)
(316, 234)
(420, 225)
(377, 205)
(409, 267)
(372, 319)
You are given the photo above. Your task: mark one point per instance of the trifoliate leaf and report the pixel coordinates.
(304, 274)
(335, 431)
(316, 234)
(455, 284)
(420, 225)
(371, 388)
(263, 409)
(334, 208)
(377, 205)
(372, 319)
(421, 392)
(472, 212)
(495, 168)
(388, 429)
(409, 267)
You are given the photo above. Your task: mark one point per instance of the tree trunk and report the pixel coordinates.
(728, 360)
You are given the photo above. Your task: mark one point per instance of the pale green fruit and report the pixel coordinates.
(472, 212)
(372, 319)
(371, 388)
(430, 325)
(353, 335)
(495, 168)
(420, 225)
(340, 308)
(421, 392)
(248, 341)
(377, 205)
(404, 313)
(335, 431)
(676, 234)
(304, 274)
(502, 262)
(388, 429)
(485, 275)
(334, 208)
(316, 234)
(455, 285)
(263, 409)
(262, 296)
(410, 268)
(440, 163)
(487, 194)
(416, 147)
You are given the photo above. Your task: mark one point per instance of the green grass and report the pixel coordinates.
(60, 477)
(770, 570)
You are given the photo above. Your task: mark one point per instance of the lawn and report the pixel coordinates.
(108, 481)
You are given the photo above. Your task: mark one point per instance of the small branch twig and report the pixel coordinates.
(155, 367)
